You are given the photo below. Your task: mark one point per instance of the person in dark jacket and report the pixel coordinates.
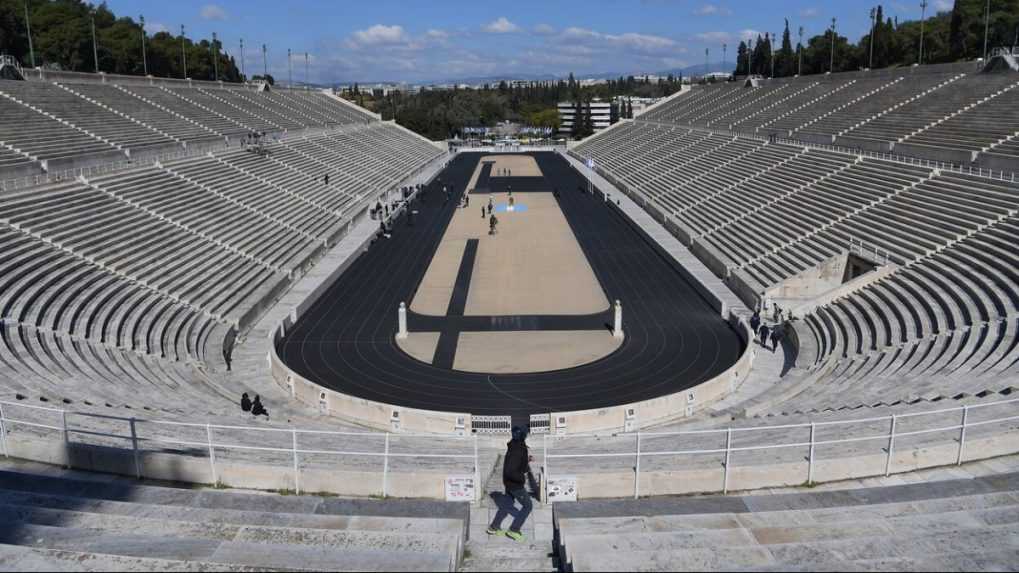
(755, 323)
(245, 403)
(776, 337)
(764, 335)
(257, 409)
(515, 469)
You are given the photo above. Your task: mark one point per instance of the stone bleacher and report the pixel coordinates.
(71, 521)
(126, 289)
(946, 113)
(949, 525)
(51, 127)
(941, 323)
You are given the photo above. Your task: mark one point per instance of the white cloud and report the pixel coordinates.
(714, 37)
(544, 30)
(437, 34)
(378, 35)
(809, 13)
(712, 10)
(750, 34)
(630, 41)
(213, 12)
(942, 5)
(155, 27)
(501, 26)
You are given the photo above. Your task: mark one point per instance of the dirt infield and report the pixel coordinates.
(533, 265)
(518, 165)
(523, 352)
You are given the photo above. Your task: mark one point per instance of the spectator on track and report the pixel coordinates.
(257, 409)
(245, 403)
(327, 179)
(516, 466)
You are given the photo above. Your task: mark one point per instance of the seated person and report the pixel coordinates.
(257, 409)
(245, 403)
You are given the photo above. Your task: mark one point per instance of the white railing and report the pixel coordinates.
(864, 249)
(210, 439)
(888, 438)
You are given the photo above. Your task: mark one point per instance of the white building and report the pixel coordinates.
(601, 115)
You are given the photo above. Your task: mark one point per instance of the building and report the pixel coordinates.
(601, 115)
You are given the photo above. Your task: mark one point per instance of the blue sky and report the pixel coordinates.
(421, 41)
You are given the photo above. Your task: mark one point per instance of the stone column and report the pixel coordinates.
(402, 318)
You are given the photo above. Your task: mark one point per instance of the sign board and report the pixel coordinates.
(562, 488)
(460, 488)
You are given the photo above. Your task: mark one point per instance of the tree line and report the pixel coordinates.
(443, 113)
(62, 40)
(948, 36)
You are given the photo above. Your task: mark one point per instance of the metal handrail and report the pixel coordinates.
(891, 435)
(7, 423)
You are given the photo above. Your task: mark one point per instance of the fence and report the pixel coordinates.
(811, 445)
(291, 447)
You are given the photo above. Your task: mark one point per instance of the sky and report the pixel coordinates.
(424, 41)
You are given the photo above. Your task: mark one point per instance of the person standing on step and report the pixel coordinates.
(755, 323)
(515, 467)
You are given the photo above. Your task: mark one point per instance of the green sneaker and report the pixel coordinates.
(494, 531)
(515, 535)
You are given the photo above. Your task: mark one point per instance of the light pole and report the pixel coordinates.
(290, 71)
(725, 47)
(183, 52)
(831, 68)
(306, 70)
(215, 60)
(265, 64)
(28, 28)
(873, 14)
(799, 66)
(923, 18)
(95, 48)
(707, 66)
(987, 26)
(242, 57)
(145, 61)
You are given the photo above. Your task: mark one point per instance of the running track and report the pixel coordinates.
(674, 339)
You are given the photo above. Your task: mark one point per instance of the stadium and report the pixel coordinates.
(768, 323)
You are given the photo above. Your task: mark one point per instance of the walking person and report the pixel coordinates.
(755, 323)
(764, 335)
(776, 337)
(515, 468)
